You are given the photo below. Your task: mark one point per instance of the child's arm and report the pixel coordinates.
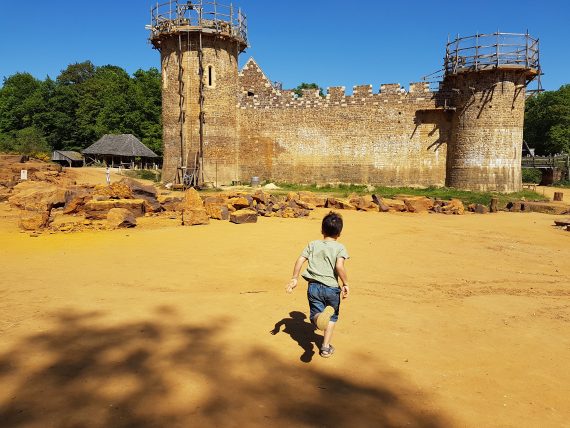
(296, 271)
(340, 269)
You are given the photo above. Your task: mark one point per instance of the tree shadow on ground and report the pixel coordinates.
(302, 332)
(87, 372)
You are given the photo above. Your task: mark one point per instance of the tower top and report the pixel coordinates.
(482, 52)
(175, 17)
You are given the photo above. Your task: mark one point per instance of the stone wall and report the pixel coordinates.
(394, 137)
(486, 143)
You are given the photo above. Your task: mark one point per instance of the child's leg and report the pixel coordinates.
(328, 334)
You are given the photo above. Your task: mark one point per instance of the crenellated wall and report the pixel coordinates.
(394, 137)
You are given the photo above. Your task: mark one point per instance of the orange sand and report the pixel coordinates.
(453, 321)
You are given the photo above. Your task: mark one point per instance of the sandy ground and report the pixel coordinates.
(453, 321)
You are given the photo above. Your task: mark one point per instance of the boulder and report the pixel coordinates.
(216, 200)
(556, 208)
(260, 197)
(191, 200)
(311, 198)
(292, 196)
(454, 206)
(34, 221)
(239, 202)
(170, 202)
(195, 217)
(339, 204)
(364, 203)
(37, 196)
(418, 204)
(138, 189)
(5, 193)
(116, 190)
(478, 208)
(394, 204)
(217, 212)
(243, 216)
(120, 218)
(76, 198)
(562, 222)
(97, 210)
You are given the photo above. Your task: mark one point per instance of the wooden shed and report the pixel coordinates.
(121, 150)
(67, 158)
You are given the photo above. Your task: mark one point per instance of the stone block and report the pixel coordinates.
(120, 218)
(243, 216)
(195, 217)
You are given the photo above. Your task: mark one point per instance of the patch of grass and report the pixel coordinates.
(144, 174)
(467, 197)
(565, 184)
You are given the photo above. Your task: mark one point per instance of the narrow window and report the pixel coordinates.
(210, 76)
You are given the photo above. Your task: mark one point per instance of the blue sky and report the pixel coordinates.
(332, 43)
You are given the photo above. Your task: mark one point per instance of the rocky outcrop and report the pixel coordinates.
(37, 196)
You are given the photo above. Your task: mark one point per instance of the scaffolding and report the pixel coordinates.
(177, 18)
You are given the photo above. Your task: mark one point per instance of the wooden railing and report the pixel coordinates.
(488, 51)
(176, 15)
(542, 162)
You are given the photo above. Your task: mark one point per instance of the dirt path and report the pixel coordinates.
(453, 322)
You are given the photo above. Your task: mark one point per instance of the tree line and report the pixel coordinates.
(77, 108)
(85, 102)
(547, 122)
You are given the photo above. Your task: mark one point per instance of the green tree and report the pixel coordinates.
(299, 89)
(547, 122)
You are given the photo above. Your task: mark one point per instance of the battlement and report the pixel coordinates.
(259, 92)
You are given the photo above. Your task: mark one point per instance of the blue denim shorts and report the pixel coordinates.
(320, 296)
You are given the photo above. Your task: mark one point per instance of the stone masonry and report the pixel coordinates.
(467, 135)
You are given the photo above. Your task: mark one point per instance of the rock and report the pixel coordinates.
(455, 206)
(217, 212)
(394, 204)
(311, 198)
(562, 222)
(243, 216)
(556, 208)
(5, 193)
(260, 196)
(364, 203)
(191, 200)
(97, 210)
(37, 196)
(515, 206)
(120, 218)
(170, 202)
(239, 202)
(138, 189)
(478, 209)
(292, 196)
(34, 221)
(116, 190)
(216, 200)
(339, 204)
(194, 217)
(304, 204)
(418, 204)
(76, 198)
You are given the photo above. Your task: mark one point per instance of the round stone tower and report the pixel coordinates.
(199, 43)
(485, 83)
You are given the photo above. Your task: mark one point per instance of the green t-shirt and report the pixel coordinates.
(322, 256)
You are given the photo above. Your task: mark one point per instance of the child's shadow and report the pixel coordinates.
(301, 332)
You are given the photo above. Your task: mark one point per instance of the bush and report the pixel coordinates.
(531, 175)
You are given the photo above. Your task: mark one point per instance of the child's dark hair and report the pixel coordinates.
(332, 225)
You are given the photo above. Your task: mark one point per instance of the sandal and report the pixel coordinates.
(326, 352)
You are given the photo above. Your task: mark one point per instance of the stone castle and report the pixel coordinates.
(225, 125)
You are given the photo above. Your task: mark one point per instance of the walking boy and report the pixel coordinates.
(326, 264)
